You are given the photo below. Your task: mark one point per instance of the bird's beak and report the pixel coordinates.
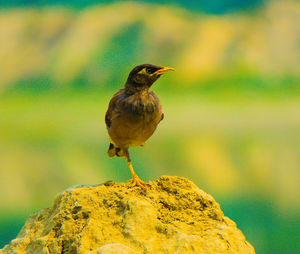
(163, 70)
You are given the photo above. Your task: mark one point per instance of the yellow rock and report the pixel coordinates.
(174, 216)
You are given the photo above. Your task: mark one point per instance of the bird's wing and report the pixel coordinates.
(112, 111)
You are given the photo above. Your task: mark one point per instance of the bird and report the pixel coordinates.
(133, 114)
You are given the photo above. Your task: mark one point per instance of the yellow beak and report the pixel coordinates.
(163, 70)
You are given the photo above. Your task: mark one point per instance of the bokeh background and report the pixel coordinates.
(232, 108)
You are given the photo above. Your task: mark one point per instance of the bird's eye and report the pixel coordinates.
(150, 70)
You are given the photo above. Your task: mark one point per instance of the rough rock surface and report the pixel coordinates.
(174, 216)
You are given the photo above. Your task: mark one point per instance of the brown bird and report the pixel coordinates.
(133, 114)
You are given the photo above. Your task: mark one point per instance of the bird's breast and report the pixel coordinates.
(141, 105)
(138, 118)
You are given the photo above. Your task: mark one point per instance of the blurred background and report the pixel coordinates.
(232, 108)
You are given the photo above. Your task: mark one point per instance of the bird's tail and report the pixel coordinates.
(115, 151)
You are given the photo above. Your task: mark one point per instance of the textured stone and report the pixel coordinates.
(174, 216)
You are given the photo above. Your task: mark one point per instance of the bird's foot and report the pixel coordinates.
(136, 181)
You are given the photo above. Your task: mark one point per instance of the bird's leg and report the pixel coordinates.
(136, 181)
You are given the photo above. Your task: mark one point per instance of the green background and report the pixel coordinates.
(231, 108)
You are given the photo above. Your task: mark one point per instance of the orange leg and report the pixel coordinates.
(136, 181)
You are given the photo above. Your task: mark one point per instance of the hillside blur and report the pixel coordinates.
(231, 109)
(97, 46)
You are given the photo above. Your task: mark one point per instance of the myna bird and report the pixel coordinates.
(133, 114)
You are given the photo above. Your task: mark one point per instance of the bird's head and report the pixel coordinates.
(143, 76)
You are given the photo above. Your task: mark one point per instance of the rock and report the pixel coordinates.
(174, 216)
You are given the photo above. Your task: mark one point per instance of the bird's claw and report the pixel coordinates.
(136, 181)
